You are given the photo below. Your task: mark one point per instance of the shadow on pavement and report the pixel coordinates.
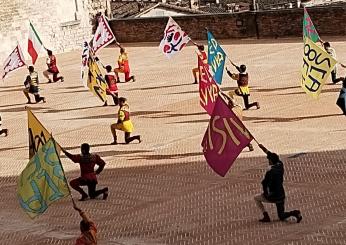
(185, 203)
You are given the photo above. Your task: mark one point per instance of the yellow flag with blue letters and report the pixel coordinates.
(43, 181)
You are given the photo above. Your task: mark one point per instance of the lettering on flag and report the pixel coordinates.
(225, 138)
(85, 58)
(14, 61)
(38, 134)
(309, 29)
(174, 39)
(103, 35)
(96, 83)
(216, 58)
(42, 182)
(317, 66)
(208, 89)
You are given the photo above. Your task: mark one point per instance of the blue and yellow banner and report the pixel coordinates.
(43, 181)
(216, 58)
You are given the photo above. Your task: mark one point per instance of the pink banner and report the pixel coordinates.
(225, 138)
(208, 89)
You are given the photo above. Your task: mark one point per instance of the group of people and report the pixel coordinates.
(31, 82)
(242, 78)
(272, 184)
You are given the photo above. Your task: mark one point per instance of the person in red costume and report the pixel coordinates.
(87, 162)
(124, 67)
(112, 89)
(52, 68)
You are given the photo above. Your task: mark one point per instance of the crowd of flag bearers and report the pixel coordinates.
(220, 149)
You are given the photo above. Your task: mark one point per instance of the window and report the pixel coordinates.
(68, 10)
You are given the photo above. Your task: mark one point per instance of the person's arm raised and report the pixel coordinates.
(81, 212)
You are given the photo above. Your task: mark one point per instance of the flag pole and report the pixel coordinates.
(206, 28)
(68, 187)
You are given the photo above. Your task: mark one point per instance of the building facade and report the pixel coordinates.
(61, 24)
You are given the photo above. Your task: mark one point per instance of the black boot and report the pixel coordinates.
(116, 100)
(266, 218)
(297, 215)
(105, 193)
(130, 139)
(4, 131)
(38, 98)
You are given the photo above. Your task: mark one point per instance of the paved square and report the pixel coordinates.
(162, 191)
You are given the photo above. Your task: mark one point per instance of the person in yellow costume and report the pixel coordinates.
(124, 67)
(243, 90)
(124, 123)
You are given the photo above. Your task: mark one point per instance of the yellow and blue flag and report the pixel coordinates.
(95, 82)
(216, 58)
(43, 181)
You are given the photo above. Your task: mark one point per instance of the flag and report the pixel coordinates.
(309, 29)
(225, 138)
(103, 35)
(208, 89)
(216, 58)
(38, 134)
(34, 44)
(85, 58)
(96, 83)
(174, 39)
(14, 61)
(317, 66)
(42, 182)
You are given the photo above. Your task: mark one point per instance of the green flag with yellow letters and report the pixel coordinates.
(43, 181)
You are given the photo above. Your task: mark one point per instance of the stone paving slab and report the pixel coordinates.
(162, 191)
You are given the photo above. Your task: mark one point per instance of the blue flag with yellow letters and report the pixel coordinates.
(216, 58)
(42, 182)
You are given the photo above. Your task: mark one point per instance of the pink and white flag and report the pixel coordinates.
(35, 44)
(13, 62)
(174, 39)
(225, 138)
(103, 35)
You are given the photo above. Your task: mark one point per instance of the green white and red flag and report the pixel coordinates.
(34, 44)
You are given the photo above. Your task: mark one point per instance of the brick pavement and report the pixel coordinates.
(162, 191)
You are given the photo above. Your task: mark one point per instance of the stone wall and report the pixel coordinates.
(61, 24)
(329, 21)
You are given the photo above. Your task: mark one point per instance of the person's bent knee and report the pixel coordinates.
(74, 183)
